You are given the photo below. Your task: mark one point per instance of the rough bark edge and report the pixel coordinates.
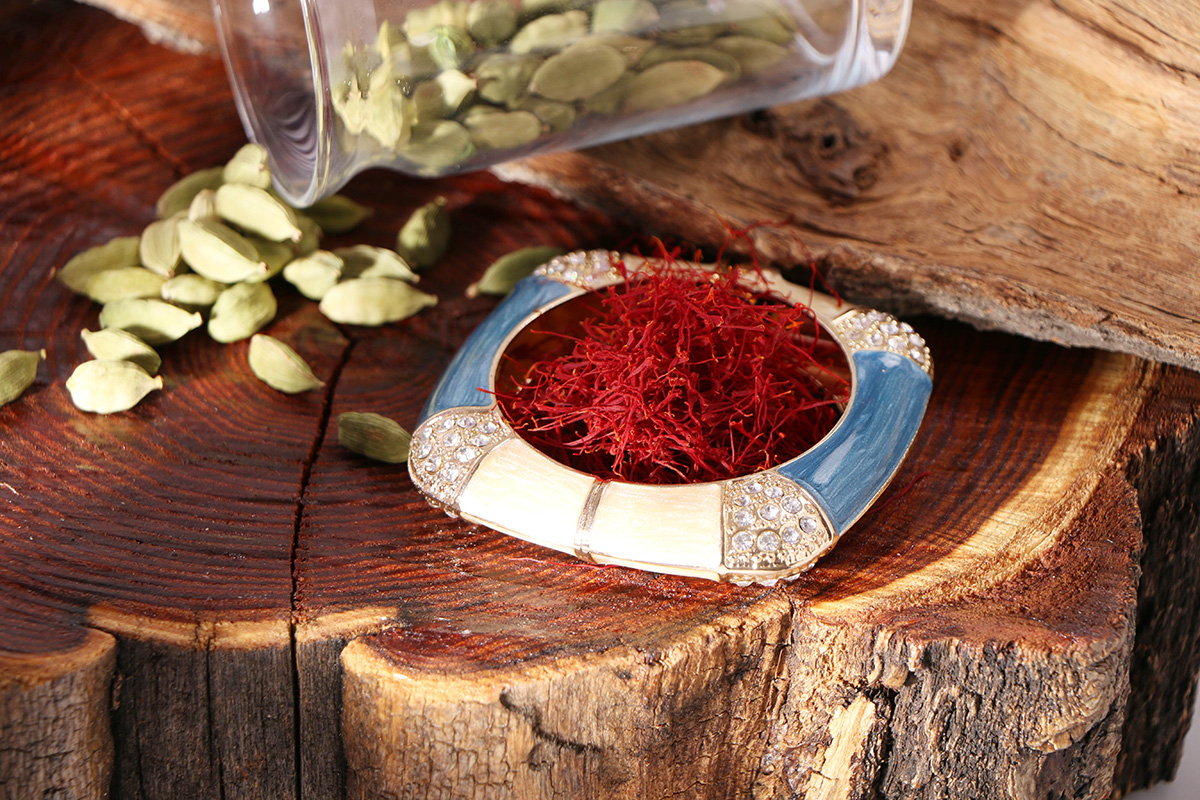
(55, 734)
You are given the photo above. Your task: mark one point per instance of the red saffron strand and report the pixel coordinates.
(680, 379)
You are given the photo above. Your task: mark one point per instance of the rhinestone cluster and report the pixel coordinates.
(770, 523)
(875, 330)
(587, 269)
(447, 448)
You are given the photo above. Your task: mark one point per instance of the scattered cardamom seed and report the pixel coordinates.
(424, 238)
(373, 301)
(241, 311)
(249, 167)
(123, 283)
(509, 269)
(108, 387)
(192, 292)
(114, 254)
(152, 321)
(374, 436)
(279, 366)
(504, 130)
(337, 214)
(672, 83)
(315, 274)
(577, 72)
(116, 345)
(18, 369)
(180, 194)
(368, 261)
(255, 210)
(218, 252)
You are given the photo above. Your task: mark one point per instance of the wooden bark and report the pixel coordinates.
(207, 597)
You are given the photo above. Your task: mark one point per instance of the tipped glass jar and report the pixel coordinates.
(331, 87)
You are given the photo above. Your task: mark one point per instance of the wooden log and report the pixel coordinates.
(206, 596)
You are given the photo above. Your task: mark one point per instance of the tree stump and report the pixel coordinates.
(206, 597)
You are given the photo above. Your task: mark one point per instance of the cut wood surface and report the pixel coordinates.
(206, 597)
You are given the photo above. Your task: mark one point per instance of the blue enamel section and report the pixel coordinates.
(468, 378)
(846, 471)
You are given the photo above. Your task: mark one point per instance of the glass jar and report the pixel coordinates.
(331, 87)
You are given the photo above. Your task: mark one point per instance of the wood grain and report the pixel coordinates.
(208, 597)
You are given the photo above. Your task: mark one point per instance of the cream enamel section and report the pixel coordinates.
(672, 529)
(517, 490)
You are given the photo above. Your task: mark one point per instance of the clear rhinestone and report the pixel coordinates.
(452, 439)
(773, 492)
(570, 274)
(917, 355)
(896, 343)
(915, 340)
(742, 500)
(753, 487)
(577, 257)
(906, 328)
(489, 427)
(464, 455)
(479, 440)
(769, 512)
(809, 525)
(742, 518)
(768, 541)
(792, 504)
(875, 339)
(861, 323)
(876, 316)
(424, 449)
(447, 423)
(450, 472)
(434, 463)
(467, 422)
(423, 434)
(743, 540)
(790, 535)
(890, 328)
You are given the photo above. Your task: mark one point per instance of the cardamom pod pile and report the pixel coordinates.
(221, 236)
(460, 77)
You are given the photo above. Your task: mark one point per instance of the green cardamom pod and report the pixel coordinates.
(505, 130)
(192, 292)
(388, 117)
(438, 145)
(241, 311)
(350, 103)
(579, 71)
(672, 83)
(311, 240)
(18, 368)
(115, 345)
(503, 78)
(152, 321)
(490, 22)
(255, 210)
(123, 283)
(451, 47)
(424, 238)
(218, 252)
(279, 366)
(769, 28)
(315, 274)
(249, 167)
(180, 194)
(114, 254)
(631, 48)
(204, 205)
(422, 22)
(709, 55)
(368, 261)
(275, 255)
(107, 387)
(373, 301)
(508, 270)
(556, 116)
(551, 32)
(754, 55)
(443, 96)
(158, 249)
(337, 214)
(374, 436)
(611, 99)
(623, 16)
